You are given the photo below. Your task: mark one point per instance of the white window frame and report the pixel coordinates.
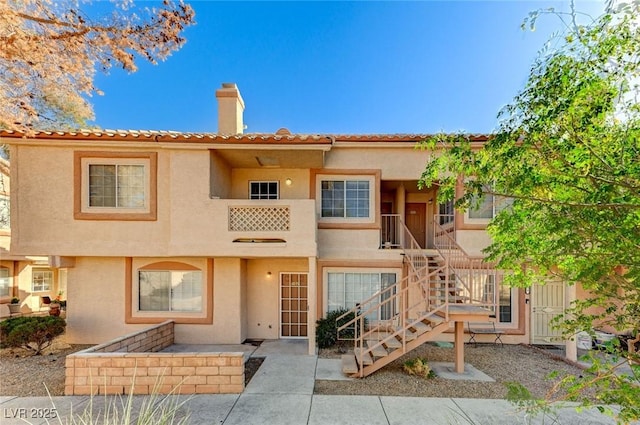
(44, 286)
(448, 216)
(260, 195)
(497, 204)
(170, 310)
(85, 197)
(358, 270)
(371, 179)
(5, 277)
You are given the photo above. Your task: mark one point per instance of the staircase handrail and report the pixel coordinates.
(449, 245)
(358, 309)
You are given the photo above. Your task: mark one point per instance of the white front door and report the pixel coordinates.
(293, 305)
(547, 303)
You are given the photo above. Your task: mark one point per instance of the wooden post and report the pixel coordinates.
(459, 346)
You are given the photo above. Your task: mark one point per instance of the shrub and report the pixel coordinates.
(327, 328)
(32, 333)
(418, 367)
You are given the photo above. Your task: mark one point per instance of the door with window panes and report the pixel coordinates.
(293, 305)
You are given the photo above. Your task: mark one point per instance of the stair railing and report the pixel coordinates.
(476, 278)
(384, 316)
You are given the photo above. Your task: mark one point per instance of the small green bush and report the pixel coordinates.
(34, 333)
(327, 328)
(418, 367)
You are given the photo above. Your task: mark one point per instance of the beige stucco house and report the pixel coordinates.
(253, 236)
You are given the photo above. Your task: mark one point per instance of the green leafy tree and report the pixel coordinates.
(566, 157)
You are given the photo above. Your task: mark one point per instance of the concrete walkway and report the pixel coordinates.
(281, 393)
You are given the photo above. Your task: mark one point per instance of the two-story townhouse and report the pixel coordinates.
(249, 236)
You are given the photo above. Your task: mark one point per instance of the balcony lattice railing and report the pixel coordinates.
(259, 219)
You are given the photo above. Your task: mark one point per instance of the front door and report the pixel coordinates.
(547, 303)
(293, 305)
(415, 218)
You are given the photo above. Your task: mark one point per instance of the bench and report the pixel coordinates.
(488, 328)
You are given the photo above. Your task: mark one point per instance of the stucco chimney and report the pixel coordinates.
(230, 109)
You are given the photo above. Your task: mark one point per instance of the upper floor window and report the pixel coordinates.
(115, 186)
(345, 198)
(490, 206)
(42, 280)
(5, 286)
(264, 190)
(446, 212)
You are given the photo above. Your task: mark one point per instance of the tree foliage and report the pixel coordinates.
(50, 50)
(567, 156)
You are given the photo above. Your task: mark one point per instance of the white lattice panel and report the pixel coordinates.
(259, 219)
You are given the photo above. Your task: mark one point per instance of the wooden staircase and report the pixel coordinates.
(436, 291)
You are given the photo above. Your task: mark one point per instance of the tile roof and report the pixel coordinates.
(280, 137)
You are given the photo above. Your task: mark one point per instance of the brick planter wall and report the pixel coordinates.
(131, 364)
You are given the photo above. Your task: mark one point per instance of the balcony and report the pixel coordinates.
(251, 228)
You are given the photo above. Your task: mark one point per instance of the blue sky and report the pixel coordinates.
(337, 67)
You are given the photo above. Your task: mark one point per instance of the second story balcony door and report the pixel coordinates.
(415, 219)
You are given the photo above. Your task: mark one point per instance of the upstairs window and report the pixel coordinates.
(345, 198)
(264, 190)
(115, 186)
(490, 206)
(446, 212)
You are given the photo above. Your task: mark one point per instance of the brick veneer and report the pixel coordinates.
(132, 364)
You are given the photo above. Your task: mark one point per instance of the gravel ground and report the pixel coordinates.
(527, 365)
(24, 375)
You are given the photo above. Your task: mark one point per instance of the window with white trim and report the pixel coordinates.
(264, 190)
(490, 206)
(170, 290)
(5, 282)
(41, 280)
(117, 185)
(345, 198)
(446, 212)
(346, 289)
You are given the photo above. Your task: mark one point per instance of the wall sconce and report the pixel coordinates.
(288, 182)
(268, 275)
(527, 290)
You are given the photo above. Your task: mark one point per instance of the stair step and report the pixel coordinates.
(420, 328)
(378, 351)
(393, 343)
(363, 357)
(349, 365)
(409, 336)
